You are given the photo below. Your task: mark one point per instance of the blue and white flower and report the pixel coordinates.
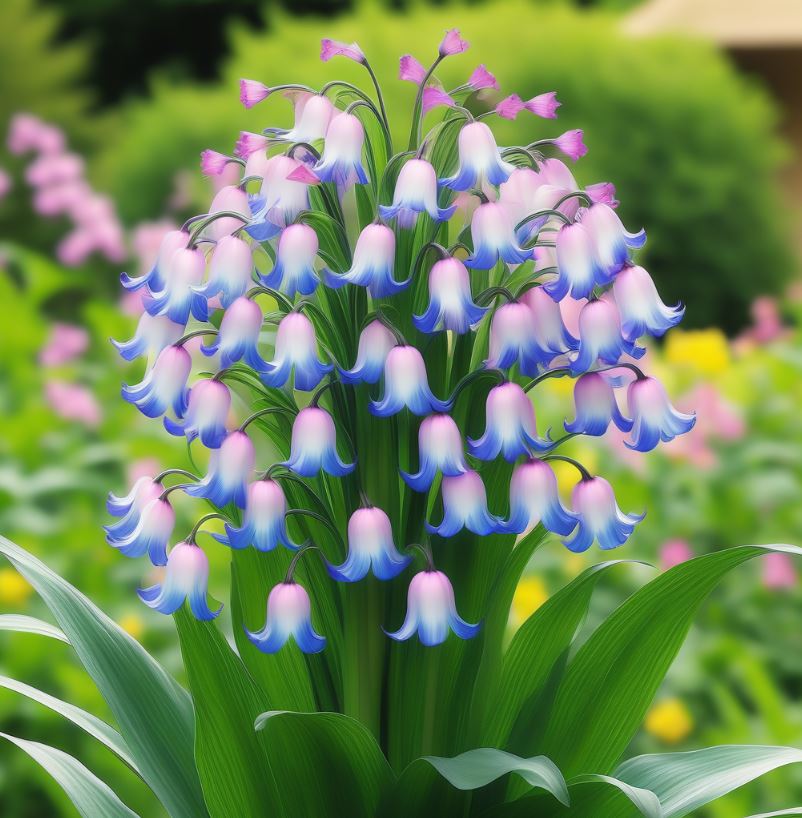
(641, 308)
(595, 407)
(157, 276)
(229, 471)
(230, 271)
(375, 343)
(493, 234)
(296, 351)
(406, 385)
(599, 517)
(294, 271)
(451, 305)
(440, 449)
(283, 195)
(314, 445)
(465, 506)
(600, 337)
(577, 269)
(415, 192)
(480, 161)
(206, 415)
(150, 535)
(534, 498)
(611, 242)
(548, 329)
(238, 336)
(341, 162)
(178, 298)
(164, 385)
(513, 340)
(654, 419)
(153, 334)
(289, 614)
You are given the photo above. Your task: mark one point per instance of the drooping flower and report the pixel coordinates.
(534, 498)
(372, 265)
(512, 339)
(642, 310)
(375, 343)
(440, 449)
(156, 278)
(434, 97)
(577, 270)
(480, 161)
(164, 385)
(229, 271)
(289, 614)
(238, 336)
(179, 297)
(283, 195)
(527, 193)
(186, 580)
(595, 407)
(206, 415)
(213, 163)
(451, 305)
(370, 548)
(544, 105)
(465, 506)
(341, 162)
(406, 385)
(252, 92)
(452, 43)
(229, 471)
(432, 611)
(481, 78)
(571, 144)
(334, 48)
(510, 107)
(549, 331)
(415, 192)
(314, 114)
(510, 428)
(250, 144)
(314, 445)
(611, 242)
(129, 508)
(654, 418)
(229, 199)
(493, 234)
(599, 517)
(294, 270)
(600, 337)
(296, 350)
(150, 535)
(410, 70)
(263, 523)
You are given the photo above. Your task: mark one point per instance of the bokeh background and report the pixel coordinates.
(692, 107)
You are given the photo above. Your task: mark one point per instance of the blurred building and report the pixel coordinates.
(763, 39)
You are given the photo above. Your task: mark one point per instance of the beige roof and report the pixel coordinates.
(730, 23)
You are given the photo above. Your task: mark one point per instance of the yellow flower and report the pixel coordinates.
(14, 590)
(703, 350)
(530, 594)
(669, 720)
(133, 625)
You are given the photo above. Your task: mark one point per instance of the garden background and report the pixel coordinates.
(689, 107)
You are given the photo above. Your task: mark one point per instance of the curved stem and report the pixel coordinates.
(167, 472)
(552, 373)
(399, 336)
(476, 375)
(313, 515)
(416, 111)
(491, 292)
(294, 562)
(275, 294)
(271, 410)
(427, 554)
(585, 474)
(379, 97)
(196, 528)
(207, 220)
(321, 390)
(168, 491)
(306, 146)
(194, 334)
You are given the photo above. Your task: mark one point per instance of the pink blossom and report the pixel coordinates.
(28, 133)
(544, 105)
(144, 467)
(249, 143)
(434, 97)
(213, 163)
(452, 43)
(482, 78)
(64, 343)
(410, 70)
(510, 107)
(571, 144)
(73, 402)
(334, 48)
(603, 193)
(252, 92)
(779, 571)
(74, 249)
(5, 183)
(673, 552)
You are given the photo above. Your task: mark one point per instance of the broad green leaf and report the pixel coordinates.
(91, 796)
(234, 770)
(686, 781)
(153, 712)
(327, 763)
(97, 728)
(19, 623)
(610, 683)
(646, 802)
(792, 811)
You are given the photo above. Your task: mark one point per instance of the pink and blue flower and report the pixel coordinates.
(230, 271)
(600, 337)
(179, 297)
(440, 449)
(341, 162)
(480, 160)
(164, 385)
(595, 407)
(289, 615)
(238, 336)
(415, 193)
(465, 506)
(406, 385)
(313, 447)
(599, 517)
(654, 419)
(534, 498)
(375, 343)
(229, 472)
(207, 412)
(296, 351)
(372, 265)
(451, 305)
(151, 534)
(493, 234)
(641, 308)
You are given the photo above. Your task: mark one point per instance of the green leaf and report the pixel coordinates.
(19, 623)
(646, 802)
(97, 728)
(153, 712)
(792, 811)
(686, 781)
(327, 763)
(91, 796)
(610, 683)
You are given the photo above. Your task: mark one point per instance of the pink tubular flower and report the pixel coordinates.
(249, 143)
(544, 105)
(571, 144)
(252, 92)
(213, 163)
(778, 571)
(482, 78)
(510, 107)
(452, 43)
(334, 48)
(603, 193)
(434, 97)
(674, 552)
(73, 402)
(410, 70)
(64, 343)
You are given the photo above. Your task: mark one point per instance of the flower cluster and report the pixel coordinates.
(323, 282)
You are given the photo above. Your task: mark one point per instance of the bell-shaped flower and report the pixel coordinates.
(432, 611)
(229, 271)
(153, 334)
(179, 297)
(451, 305)
(654, 418)
(157, 277)
(528, 192)
(433, 97)
(283, 195)
(599, 517)
(509, 107)
(544, 105)
(510, 427)
(129, 507)
(611, 242)
(440, 449)
(513, 340)
(577, 269)
(296, 349)
(534, 498)
(595, 407)
(493, 234)
(229, 199)
(571, 143)
(600, 337)
(481, 78)
(372, 265)
(480, 161)
(375, 343)
(252, 92)
(229, 471)
(452, 43)
(314, 445)
(406, 385)
(164, 385)
(238, 336)
(341, 162)
(642, 310)
(289, 614)
(263, 524)
(335, 48)
(150, 535)
(465, 506)
(206, 415)
(410, 70)
(550, 333)
(415, 192)
(186, 580)
(294, 270)
(370, 548)
(314, 114)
